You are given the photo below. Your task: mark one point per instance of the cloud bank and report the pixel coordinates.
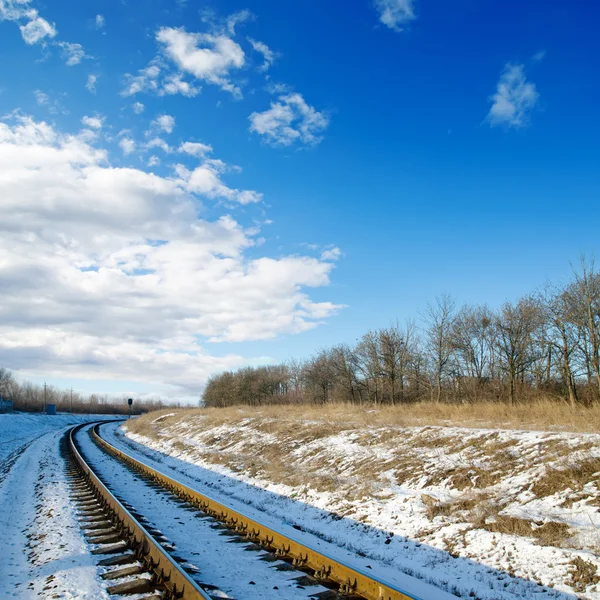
(111, 272)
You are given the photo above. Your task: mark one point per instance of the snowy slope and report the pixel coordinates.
(17, 429)
(472, 510)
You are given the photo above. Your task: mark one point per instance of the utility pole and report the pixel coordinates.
(71, 400)
(45, 396)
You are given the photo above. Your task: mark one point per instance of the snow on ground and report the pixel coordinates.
(480, 513)
(16, 429)
(44, 554)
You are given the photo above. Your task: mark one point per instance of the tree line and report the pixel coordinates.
(544, 345)
(31, 397)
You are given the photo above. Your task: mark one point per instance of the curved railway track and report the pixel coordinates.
(141, 564)
(142, 561)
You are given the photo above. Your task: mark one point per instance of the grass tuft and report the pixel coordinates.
(583, 575)
(574, 476)
(550, 533)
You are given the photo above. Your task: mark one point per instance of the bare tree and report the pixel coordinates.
(369, 364)
(408, 358)
(345, 370)
(471, 339)
(294, 370)
(516, 325)
(558, 306)
(6, 382)
(540, 345)
(586, 295)
(439, 319)
(29, 397)
(472, 335)
(390, 351)
(319, 376)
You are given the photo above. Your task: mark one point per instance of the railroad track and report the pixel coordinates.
(136, 561)
(140, 559)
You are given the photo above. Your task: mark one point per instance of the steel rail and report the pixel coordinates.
(165, 571)
(351, 580)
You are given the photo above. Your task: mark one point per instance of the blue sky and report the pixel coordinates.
(370, 154)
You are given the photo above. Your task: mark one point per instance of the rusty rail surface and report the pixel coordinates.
(166, 573)
(351, 581)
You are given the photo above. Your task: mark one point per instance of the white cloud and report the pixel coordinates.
(127, 279)
(52, 105)
(146, 80)
(41, 98)
(207, 57)
(514, 99)
(99, 21)
(92, 122)
(331, 254)
(175, 84)
(195, 149)
(13, 10)
(91, 83)
(288, 121)
(236, 18)
(127, 145)
(138, 108)
(165, 123)
(267, 53)
(278, 88)
(539, 56)
(73, 53)
(155, 78)
(36, 30)
(159, 143)
(153, 161)
(206, 181)
(395, 14)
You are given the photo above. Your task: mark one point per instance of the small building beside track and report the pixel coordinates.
(6, 406)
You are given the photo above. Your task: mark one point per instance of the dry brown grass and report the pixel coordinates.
(289, 445)
(583, 575)
(541, 415)
(298, 430)
(268, 462)
(404, 467)
(436, 441)
(494, 446)
(571, 476)
(462, 506)
(461, 478)
(550, 533)
(487, 457)
(480, 510)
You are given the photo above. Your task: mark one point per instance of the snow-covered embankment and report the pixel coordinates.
(479, 511)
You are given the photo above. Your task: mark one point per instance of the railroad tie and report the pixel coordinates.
(134, 586)
(123, 572)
